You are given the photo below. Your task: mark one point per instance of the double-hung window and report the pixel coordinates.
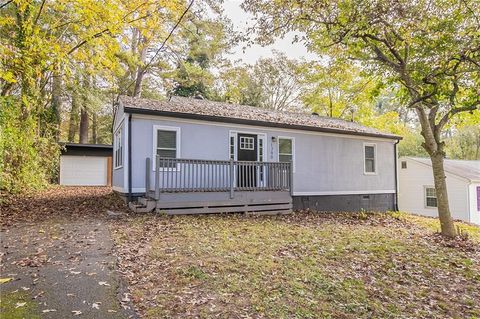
(166, 143)
(286, 149)
(118, 149)
(430, 197)
(370, 160)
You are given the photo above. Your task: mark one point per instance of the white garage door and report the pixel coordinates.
(83, 170)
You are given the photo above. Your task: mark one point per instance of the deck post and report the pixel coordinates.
(231, 178)
(291, 178)
(157, 178)
(147, 176)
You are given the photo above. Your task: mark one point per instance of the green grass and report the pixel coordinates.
(10, 310)
(433, 224)
(301, 266)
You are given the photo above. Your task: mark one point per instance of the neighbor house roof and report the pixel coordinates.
(466, 169)
(192, 108)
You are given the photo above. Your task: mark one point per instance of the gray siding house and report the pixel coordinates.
(187, 155)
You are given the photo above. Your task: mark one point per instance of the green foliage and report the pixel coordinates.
(27, 159)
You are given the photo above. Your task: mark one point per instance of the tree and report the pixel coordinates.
(275, 83)
(339, 89)
(431, 49)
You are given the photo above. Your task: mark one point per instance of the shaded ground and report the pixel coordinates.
(300, 266)
(60, 264)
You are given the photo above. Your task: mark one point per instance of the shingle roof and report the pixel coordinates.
(466, 169)
(236, 113)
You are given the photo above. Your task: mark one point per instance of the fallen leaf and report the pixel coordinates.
(76, 312)
(5, 280)
(25, 288)
(20, 304)
(103, 283)
(49, 310)
(75, 272)
(96, 305)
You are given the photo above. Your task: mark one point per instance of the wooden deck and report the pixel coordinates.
(202, 187)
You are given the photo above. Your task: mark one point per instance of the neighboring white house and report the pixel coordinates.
(417, 192)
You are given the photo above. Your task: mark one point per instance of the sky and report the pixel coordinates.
(241, 21)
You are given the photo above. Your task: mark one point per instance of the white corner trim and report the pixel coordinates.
(361, 192)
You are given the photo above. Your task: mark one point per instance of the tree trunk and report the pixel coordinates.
(434, 147)
(84, 125)
(94, 128)
(73, 122)
(446, 223)
(137, 91)
(56, 102)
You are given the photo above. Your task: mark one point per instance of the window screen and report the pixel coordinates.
(430, 197)
(369, 159)
(167, 143)
(285, 150)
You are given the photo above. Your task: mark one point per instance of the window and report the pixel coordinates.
(247, 143)
(370, 161)
(232, 147)
(430, 197)
(166, 142)
(118, 149)
(285, 149)
(404, 164)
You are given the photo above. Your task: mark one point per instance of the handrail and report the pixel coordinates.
(200, 175)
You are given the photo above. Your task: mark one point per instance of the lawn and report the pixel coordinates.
(300, 266)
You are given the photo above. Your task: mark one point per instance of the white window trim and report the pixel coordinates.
(118, 132)
(154, 146)
(293, 149)
(425, 197)
(375, 160)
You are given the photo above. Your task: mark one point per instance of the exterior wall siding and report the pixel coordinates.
(411, 194)
(323, 162)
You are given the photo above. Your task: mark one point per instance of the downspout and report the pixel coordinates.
(129, 157)
(395, 206)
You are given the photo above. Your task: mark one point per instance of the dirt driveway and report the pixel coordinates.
(56, 256)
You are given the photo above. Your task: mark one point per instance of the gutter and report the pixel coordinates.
(223, 119)
(129, 157)
(395, 206)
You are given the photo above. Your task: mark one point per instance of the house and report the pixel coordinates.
(222, 157)
(417, 191)
(86, 164)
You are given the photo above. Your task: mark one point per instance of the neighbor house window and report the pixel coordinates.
(404, 164)
(430, 197)
(118, 149)
(370, 158)
(285, 149)
(166, 141)
(232, 147)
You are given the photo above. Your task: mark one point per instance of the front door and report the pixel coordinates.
(247, 151)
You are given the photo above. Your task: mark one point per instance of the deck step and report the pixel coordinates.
(143, 205)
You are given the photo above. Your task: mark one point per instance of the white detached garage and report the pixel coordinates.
(417, 191)
(86, 165)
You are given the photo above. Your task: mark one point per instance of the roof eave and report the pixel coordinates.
(223, 119)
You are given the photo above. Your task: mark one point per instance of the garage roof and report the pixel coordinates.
(77, 149)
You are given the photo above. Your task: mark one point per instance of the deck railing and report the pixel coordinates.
(191, 175)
